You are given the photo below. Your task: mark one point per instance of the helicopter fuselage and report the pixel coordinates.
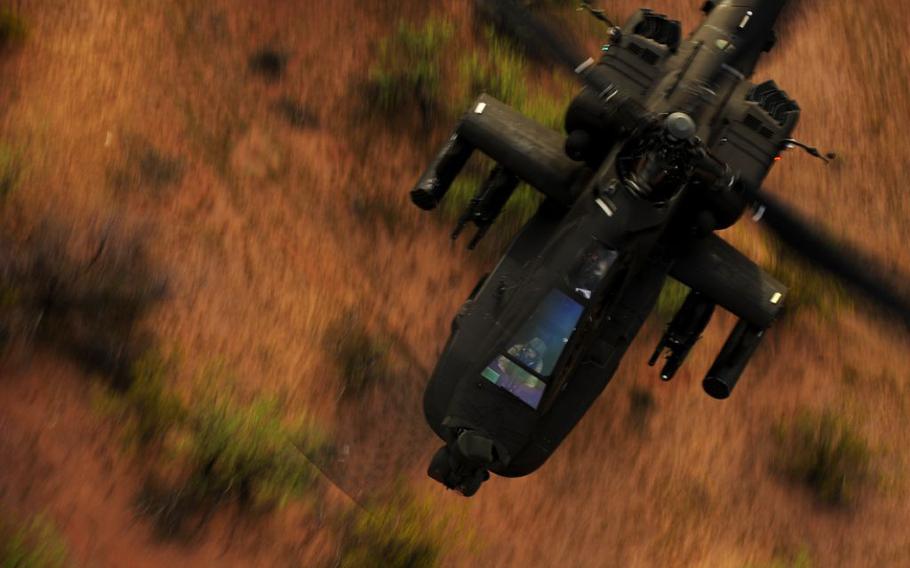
(541, 336)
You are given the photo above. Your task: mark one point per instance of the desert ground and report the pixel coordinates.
(217, 191)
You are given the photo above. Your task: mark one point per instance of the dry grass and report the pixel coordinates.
(265, 251)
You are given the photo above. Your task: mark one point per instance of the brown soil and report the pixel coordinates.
(269, 234)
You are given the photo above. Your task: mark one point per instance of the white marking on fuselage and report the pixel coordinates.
(733, 71)
(480, 108)
(603, 205)
(746, 18)
(775, 299)
(584, 65)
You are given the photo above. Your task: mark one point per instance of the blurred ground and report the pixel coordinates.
(263, 185)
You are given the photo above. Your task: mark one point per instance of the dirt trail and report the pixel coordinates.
(266, 230)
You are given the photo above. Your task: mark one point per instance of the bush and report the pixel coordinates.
(808, 288)
(246, 451)
(242, 453)
(89, 309)
(37, 544)
(361, 356)
(13, 30)
(150, 411)
(824, 453)
(402, 532)
(408, 67)
(501, 73)
(671, 298)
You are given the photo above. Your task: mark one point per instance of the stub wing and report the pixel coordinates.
(719, 271)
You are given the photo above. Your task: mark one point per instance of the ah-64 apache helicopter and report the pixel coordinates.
(667, 143)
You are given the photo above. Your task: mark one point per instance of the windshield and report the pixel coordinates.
(534, 351)
(532, 354)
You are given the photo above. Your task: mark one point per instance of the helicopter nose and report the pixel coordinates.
(680, 125)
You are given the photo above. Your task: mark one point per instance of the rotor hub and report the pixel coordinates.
(680, 126)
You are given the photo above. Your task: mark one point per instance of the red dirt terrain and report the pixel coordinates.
(150, 115)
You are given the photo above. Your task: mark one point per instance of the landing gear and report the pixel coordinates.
(455, 474)
(462, 465)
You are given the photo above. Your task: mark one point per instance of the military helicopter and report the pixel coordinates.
(667, 142)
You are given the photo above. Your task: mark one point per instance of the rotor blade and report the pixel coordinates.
(534, 35)
(543, 41)
(854, 269)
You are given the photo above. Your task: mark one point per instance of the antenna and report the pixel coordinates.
(597, 13)
(811, 150)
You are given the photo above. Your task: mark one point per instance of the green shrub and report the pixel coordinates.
(401, 532)
(13, 30)
(808, 288)
(248, 452)
(153, 411)
(228, 452)
(500, 72)
(547, 109)
(408, 66)
(504, 73)
(671, 298)
(37, 544)
(824, 453)
(362, 357)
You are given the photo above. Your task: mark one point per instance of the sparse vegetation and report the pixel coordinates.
(671, 298)
(13, 29)
(362, 357)
(87, 308)
(501, 73)
(641, 408)
(149, 410)
(295, 113)
(802, 559)
(249, 452)
(145, 168)
(518, 210)
(825, 453)
(408, 69)
(268, 64)
(808, 288)
(504, 73)
(227, 451)
(34, 544)
(375, 211)
(400, 532)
